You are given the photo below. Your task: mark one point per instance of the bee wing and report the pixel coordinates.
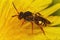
(46, 22)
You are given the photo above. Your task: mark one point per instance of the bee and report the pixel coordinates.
(36, 18)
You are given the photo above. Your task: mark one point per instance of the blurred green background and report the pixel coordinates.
(57, 13)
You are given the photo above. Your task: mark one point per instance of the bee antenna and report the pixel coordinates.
(14, 15)
(15, 7)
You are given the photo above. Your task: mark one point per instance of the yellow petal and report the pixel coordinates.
(39, 5)
(50, 10)
(10, 27)
(54, 20)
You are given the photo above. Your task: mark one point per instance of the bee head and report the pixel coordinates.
(20, 15)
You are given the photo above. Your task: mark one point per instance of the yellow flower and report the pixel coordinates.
(10, 27)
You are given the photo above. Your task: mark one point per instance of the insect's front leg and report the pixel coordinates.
(23, 21)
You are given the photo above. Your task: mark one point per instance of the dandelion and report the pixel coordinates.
(10, 27)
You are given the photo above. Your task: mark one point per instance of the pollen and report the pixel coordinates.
(40, 22)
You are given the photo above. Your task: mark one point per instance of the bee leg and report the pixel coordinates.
(22, 22)
(32, 27)
(42, 29)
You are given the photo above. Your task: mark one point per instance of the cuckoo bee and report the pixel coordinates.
(31, 17)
